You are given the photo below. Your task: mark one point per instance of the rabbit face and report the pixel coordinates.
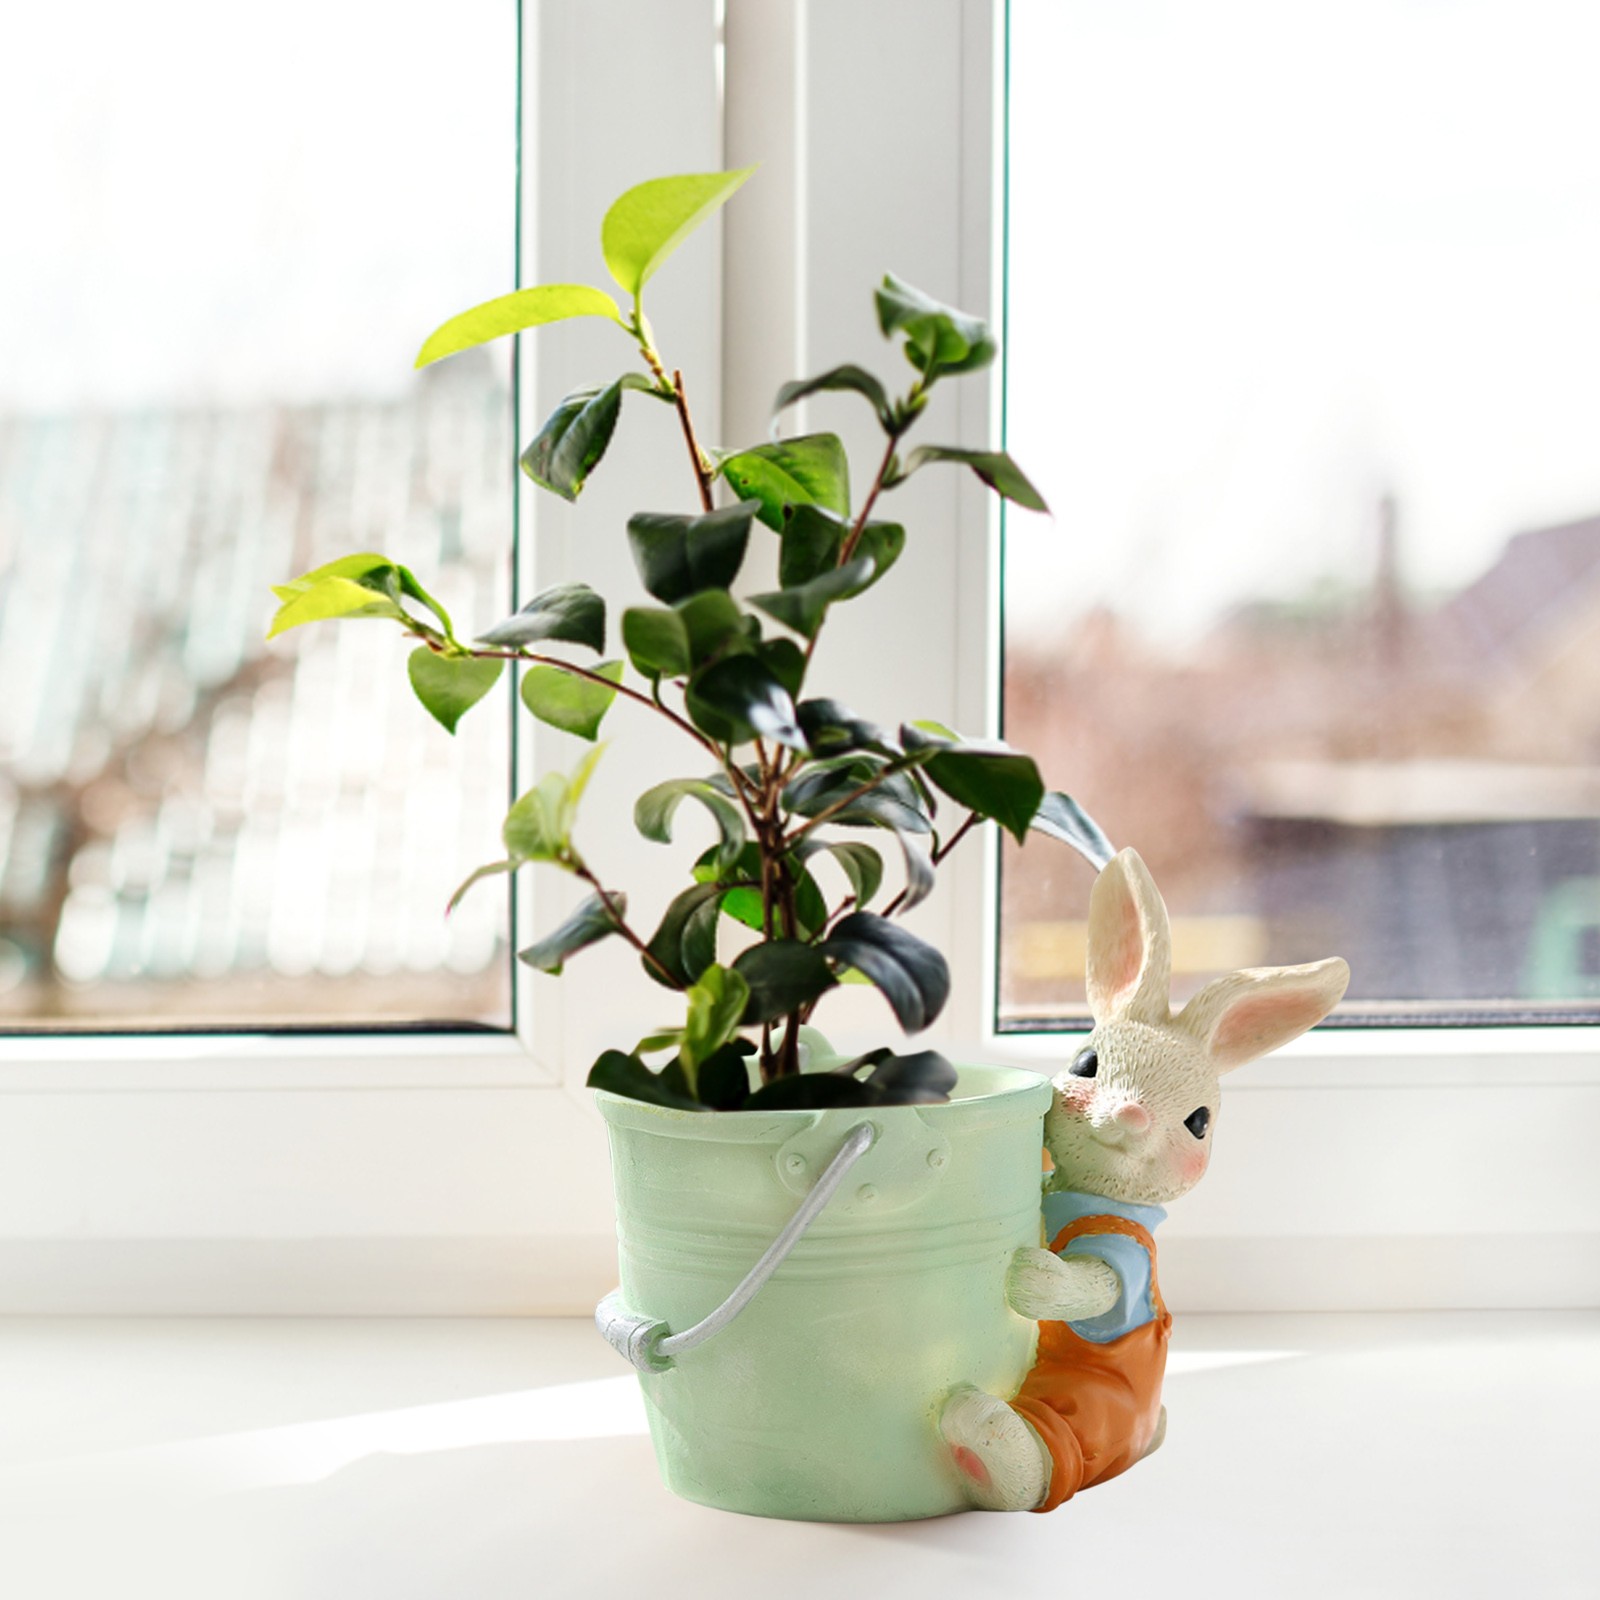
(1135, 1112)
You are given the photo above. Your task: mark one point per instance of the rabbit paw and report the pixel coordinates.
(1003, 1466)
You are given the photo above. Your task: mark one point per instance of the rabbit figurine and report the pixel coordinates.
(1130, 1129)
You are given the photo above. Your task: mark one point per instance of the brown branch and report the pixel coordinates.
(608, 900)
(702, 474)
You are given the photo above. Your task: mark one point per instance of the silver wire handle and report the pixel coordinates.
(646, 1341)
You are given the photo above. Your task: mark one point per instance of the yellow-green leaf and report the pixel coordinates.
(512, 313)
(652, 219)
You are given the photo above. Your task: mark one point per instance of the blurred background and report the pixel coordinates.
(228, 235)
(1304, 317)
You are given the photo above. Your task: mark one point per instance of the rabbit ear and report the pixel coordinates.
(1248, 1013)
(1130, 944)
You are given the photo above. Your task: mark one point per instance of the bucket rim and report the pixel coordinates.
(1018, 1095)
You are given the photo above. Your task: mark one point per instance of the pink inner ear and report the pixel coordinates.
(1122, 958)
(1259, 1023)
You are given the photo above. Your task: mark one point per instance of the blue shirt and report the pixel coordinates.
(1126, 1257)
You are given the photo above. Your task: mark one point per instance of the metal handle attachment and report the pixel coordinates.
(646, 1342)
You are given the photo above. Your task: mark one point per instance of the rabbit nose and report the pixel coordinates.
(1132, 1117)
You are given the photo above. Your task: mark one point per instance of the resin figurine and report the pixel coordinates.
(1130, 1129)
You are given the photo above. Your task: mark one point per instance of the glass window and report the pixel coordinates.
(228, 230)
(1304, 313)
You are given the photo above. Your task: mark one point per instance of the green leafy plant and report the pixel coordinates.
(785, 777)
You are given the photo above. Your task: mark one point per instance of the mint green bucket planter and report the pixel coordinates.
(819, 1400)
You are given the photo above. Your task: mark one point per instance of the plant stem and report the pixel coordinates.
(841, 804)
(849, 547)
(702, 472)
(609, 901)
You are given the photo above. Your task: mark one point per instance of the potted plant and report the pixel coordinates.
(821, 1400)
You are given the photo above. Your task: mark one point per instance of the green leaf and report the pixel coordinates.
(739, 698)
(995, 467)
(1061, 817)
(494, 869)
(654, 810)
(575, 435)
(450, 686)
(809, 470)
(782, 975)
(803, 607)
(992, 779)
(650, 221)
(855, 379)
(590, 923)
(812, 539)
(570, 612)
(913, 977)
(630, 1077)
(657, 642)
(894, 803)
(716, 1003)
(786, 661)
(712, 621)
(809, 1091)
(363, 585)
(512, 313)
(742, 902)
(862, 865)
(939, 339)
(686, 942)
(539, 826)
(679, 556)
(567, 701)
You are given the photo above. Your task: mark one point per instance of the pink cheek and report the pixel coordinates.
(1192, 1167)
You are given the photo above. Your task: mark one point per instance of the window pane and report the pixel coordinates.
(1304, 317)
(228, 231)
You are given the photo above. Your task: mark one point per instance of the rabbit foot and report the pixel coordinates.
(1003, 1465)
(1158, 1436)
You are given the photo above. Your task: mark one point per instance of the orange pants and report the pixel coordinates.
(1096, 1406)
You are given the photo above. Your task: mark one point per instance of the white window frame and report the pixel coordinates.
(468, 1173)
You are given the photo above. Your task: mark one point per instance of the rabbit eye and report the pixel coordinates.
(1198, 1121)
(1085, 1065)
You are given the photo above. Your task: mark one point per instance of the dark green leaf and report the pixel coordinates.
(567, 701)
(712, 623)
(883, 542)
(571, 613)
(512, 313)
(629, 1076)
(679, 556)
(862, 865)
(893, 803)
(810, 542)
(590, 923)
(922, 1079)
(852, 378)
(1061, 817)
(832, 729)
(995, 467)
(938, 338)
(657, 642)
(991, 779)
(912, 975)
(450, 686)
(575, 435)
(803, 608)
(651, 220)
(744, 701)
(920, 875)
(809, 470)
(724, 1077)
(494, 869)
(686, 942)
(783, 975)
(786, 661)
(743, 899)
(654, 810)
(808, 1091)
